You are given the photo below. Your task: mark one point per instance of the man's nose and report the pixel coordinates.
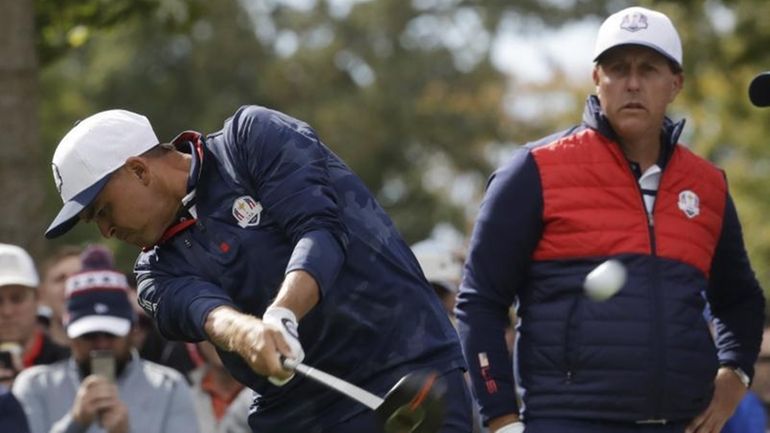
(633, 81)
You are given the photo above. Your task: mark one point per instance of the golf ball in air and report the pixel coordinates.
(605, 280)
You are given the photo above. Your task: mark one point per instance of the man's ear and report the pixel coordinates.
(138, 168)
(676, 86)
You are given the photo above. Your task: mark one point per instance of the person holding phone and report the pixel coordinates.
(104, 383)
(22, 344)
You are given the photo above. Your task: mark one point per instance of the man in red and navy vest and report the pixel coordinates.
(618, 186)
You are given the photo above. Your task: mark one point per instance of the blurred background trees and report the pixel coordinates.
(411, 93)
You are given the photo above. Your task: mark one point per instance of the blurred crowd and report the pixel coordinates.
(77, 354)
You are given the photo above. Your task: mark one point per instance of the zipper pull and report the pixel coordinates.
(650, 219)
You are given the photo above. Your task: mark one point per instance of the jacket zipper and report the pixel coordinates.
(657, 332)
(568, 347)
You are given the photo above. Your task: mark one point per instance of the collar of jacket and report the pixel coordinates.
(594, 118)
(187, 142)
(191, 142)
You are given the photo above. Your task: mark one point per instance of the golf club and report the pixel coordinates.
(414, 405)
(759, 90)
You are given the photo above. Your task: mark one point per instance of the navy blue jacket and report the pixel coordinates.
(644, 354)
(271, 198)
(12, 416)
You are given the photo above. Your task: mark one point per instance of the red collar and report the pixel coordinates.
(176, 229)
(31, 355)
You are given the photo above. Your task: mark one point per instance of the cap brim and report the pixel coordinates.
(17, 281)
(70, 213)
(646, 44)
(117, 326)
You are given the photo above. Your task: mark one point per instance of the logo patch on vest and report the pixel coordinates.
(689, 203)
(247, 211)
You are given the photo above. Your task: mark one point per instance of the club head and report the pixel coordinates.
(414, 405)
(759, 90)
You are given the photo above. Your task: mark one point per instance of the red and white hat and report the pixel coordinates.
(98, 297)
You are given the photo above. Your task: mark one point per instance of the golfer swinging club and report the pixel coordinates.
(261, 240)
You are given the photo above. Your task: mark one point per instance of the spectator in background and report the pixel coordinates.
(761, 383)
(221, 402)
(56, 268)
(443, 270)
(70, 396)
(749, 416)
(12, 417)
(22, 344)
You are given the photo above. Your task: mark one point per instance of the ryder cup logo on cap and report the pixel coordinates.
(17, 267)
(87, 156)
(639, 26)
(97, 301)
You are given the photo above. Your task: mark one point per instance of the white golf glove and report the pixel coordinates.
(517, 427)
(286, 321)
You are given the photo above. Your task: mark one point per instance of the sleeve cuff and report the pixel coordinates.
(733, 361)
(319, 254)
(199, 310)
(742, 374)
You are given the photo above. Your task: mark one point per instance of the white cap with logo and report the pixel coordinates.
(17, 267)
(87, 156)
(640, 26)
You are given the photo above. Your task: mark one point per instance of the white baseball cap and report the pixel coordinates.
(640, 26)
(86, 157)
(439, 265)
(17, 267)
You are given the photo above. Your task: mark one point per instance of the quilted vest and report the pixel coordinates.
(593, 205)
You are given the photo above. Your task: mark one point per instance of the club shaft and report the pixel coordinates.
(358, 394)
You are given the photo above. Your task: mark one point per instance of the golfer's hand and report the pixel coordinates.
(728, 392)
(517, 427)
(258, 343)
(285, 320)
(506, 424)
